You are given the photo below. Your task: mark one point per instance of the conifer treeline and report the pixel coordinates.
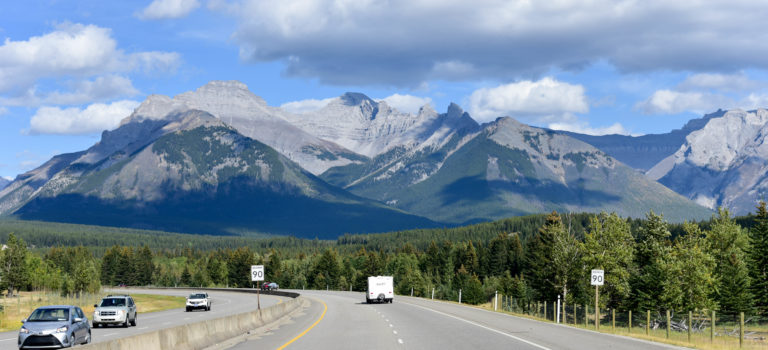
(649, 264)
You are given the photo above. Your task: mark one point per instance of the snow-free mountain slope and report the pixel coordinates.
(201, 175)
(725, 163)
(233, 103)
(506, 169)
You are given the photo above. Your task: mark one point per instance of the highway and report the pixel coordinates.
(224, 303)
(341, 320)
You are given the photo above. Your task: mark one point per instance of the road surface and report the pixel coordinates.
(341, 320)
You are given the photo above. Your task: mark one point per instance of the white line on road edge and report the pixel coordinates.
(481, 326)
(400, 341)
(395, 332)
(8, 339)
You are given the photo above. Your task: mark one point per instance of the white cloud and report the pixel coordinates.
(70, 121)
(306, 106)
(72, 53)
(674, 102)
(407, 103)
(162, 9)
(102, 88)
(544, 98)
(718, 82)
(584, 128)
(3, 110)
(405, 42)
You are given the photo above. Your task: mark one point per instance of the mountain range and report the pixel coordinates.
(4, 182)
(220, 160)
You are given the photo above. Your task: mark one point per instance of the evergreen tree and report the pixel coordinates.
(539, 259)
(109, 265)
(728, 244)
(651, 251)
(758, 259)
(145, 268)
(14, 266)
(329, 268)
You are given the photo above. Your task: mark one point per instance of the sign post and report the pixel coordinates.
(597, 281)
(257, 275)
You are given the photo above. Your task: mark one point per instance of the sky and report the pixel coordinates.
(72, 69)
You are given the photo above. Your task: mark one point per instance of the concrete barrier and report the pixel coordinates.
(199, 335)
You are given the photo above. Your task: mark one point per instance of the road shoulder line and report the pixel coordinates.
(481, 326)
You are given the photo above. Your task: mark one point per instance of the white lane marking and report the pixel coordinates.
(143, 328)
(386, 320)
(400, 341)
(484, 327)
(390, 325)
(7, 339)
(167, 322)
(109, 334)
(395, 332)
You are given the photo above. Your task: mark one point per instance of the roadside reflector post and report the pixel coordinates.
(496, 301)
(557, 314)
(433, 293)
(629, 327)
(459, 296)
(668, 324)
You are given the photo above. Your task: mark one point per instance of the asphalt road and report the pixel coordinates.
(224, 303)
(341, 320)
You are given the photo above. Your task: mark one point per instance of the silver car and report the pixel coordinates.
(53, 327)
(115, 309)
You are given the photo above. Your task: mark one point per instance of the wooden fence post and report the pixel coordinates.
(647, 322)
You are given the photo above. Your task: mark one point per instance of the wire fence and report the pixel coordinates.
(702, 328)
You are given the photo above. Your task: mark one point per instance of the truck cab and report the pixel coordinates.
(380, 289)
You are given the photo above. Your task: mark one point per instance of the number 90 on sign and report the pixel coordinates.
(257, 273)
(597, 277)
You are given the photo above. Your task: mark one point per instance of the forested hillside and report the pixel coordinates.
(719, 264)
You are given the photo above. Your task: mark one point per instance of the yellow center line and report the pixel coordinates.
(306, 330)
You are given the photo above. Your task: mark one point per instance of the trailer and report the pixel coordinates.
(380, 289)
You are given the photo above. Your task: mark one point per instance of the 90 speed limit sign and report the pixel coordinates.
(257, 273)
(597, 277)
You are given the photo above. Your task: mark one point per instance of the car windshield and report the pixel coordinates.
(106, 302)
(49, 315)
(197, 296)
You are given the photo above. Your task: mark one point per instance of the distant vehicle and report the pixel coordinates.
(198, 301)
(115, 309)
(56, 326)
(380, 289)
(269, 286)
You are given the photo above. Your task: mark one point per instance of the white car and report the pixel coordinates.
(198, 301)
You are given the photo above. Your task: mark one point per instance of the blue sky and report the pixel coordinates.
(70, 69)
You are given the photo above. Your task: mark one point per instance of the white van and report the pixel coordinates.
(380, 289)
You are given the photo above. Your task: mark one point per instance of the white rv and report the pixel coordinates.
(380, 289)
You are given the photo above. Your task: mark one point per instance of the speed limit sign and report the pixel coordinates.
(257, 273)
(597, 277)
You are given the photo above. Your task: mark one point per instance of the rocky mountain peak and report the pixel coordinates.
(355, 99)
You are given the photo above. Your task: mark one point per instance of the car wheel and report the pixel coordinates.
(133, 322)
(127, 322)
(71, 340)
(88, 339)
(96, 325)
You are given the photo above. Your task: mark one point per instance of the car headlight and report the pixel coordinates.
(24, 330)
(61, 329)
